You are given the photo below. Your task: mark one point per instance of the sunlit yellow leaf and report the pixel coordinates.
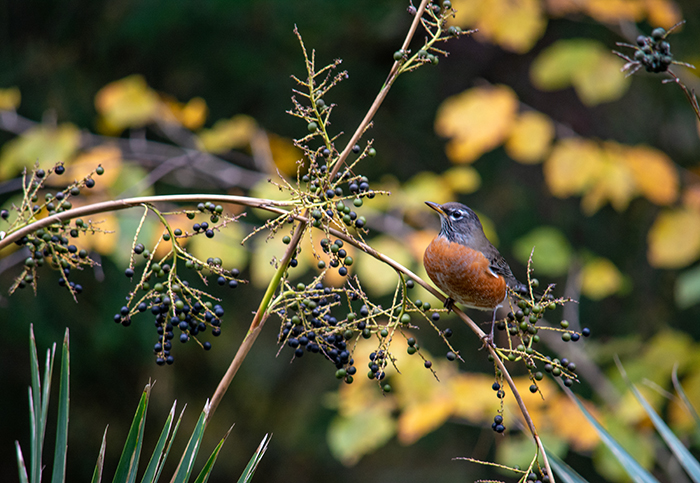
(234, 133)
(125, 103)
(418, 241)
(462, 179)
(46, 145)
(424, 186)
(378, 277)
(586, 64)
(352, 437)
(266, 255)
(674, 239)
(679, 417)
(420, 419)
(105, 155)
(477, 120)
(569, 423)
(654, 173)
(473, 397)
(560, 8)
(663, 13)
(10, 99)
(614, 183)
(556, 65)
(691, 196)
(601, 81)
(572, 167)
(191, 115)
(103, 243)
(600, 278)
(613, 11)
(284, 154)
(513, 24)
(531, 138)
(552, 250)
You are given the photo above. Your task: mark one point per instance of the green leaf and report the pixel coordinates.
(564, 471)
(629, 464)
(182, 474)
(552, 250)
(684, 397)
(170, 444)
(39, 405)
(159, 454)
(203, 476)
(129, 461)
(686, 460)
(61, 450)
(687, 290)
(97, 473)
(254, 461)
(23, 478)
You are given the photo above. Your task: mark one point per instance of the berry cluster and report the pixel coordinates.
(170, 298)
(521, 327)
(51, 245)
(326, 320)
(651, 52)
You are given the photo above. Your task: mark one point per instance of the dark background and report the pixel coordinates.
(238, 56)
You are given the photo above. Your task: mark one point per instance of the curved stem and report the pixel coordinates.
(116, 205)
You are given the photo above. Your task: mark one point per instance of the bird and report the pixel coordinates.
(465, 265)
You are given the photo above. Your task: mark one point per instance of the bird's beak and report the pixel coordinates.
(436, 207)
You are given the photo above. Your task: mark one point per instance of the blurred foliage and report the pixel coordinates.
(541, 134)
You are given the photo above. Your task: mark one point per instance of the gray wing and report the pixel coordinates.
(499, 266)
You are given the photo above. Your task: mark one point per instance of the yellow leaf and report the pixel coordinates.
(108, 156)
(600, 278)
(655, 174)
(227, 134)
(10, 99)
(674, 239)
(477, 120)
(103, 243)
(513, 24)
(612, 11)
(351, 437)
(552, 250)
(462, 179)
(191, 115)
(125, 103)
(586, 64)
(266, 255)
(663, 13)
(601, 81)
(569, 423)
(561, 8)
(378, 277)
(46, 145)
(424, 186)
(420, 419)
(556, 65)
(691, 196)
(474, 398)
(284, 154)
(531, 138)
(572, 167)
(614, 182)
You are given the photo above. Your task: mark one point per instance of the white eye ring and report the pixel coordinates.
(456, 215)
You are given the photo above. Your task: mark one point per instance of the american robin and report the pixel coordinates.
(464, 264)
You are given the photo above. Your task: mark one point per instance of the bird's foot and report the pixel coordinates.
(449, 303)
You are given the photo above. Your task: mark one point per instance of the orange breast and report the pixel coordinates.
(463, 274)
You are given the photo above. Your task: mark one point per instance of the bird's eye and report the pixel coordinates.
(456, 215)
